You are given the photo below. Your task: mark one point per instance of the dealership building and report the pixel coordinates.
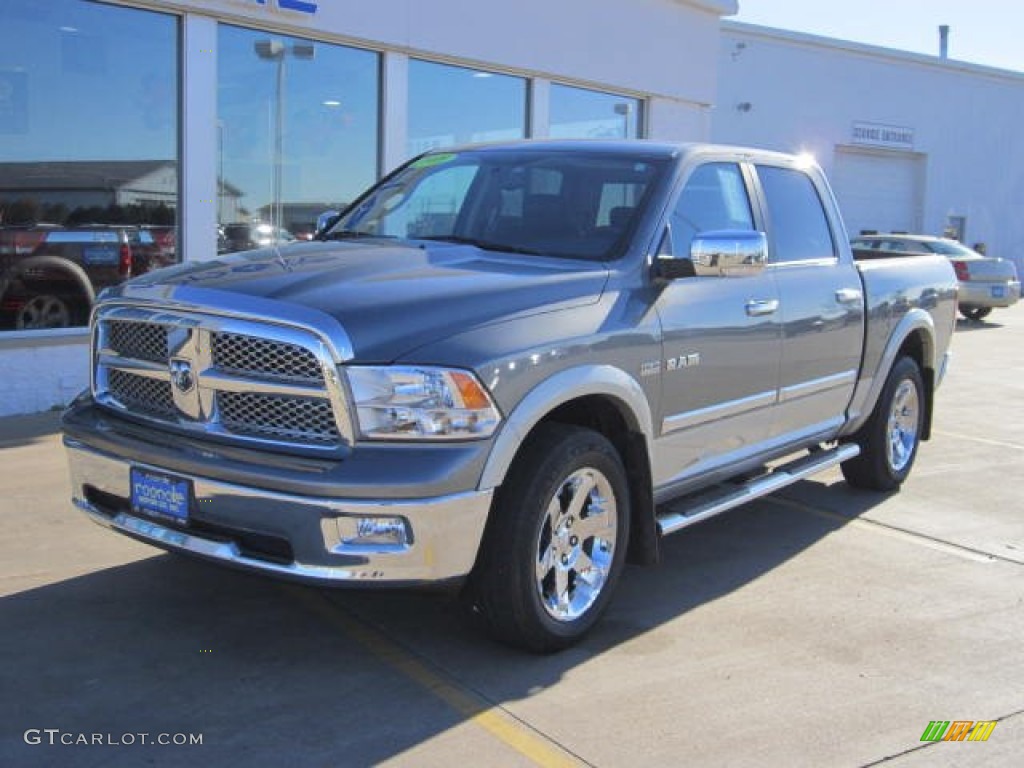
(910, 143)
(225, 111)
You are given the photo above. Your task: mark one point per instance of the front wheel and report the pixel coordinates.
(890, 438)
(556, 542)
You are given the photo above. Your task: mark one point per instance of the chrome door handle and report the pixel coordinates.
(849, 296)
(759, 308)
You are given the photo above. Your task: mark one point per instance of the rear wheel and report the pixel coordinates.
(556, 543)
(975, 313)
(890, 438)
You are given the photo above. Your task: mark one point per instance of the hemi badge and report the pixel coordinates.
(652, 368)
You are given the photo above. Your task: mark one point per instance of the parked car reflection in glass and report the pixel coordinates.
(246, 236)
(50, 274)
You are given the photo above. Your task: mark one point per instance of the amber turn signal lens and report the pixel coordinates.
(472, 395)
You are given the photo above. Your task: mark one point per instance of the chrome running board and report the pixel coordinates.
(685, 511)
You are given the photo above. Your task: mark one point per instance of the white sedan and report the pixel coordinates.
(985, 283)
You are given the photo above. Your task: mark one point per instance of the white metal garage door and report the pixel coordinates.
(879, 191)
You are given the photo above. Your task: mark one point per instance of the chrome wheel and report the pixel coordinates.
(576, 544)
(556, 540)
(889, 439)
(43, 311)
(903, 424)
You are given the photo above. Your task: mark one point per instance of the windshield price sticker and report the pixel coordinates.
(429, 161)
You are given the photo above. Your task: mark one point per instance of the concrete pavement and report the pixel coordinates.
(819, 627)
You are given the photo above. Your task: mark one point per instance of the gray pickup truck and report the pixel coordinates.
(510, 368)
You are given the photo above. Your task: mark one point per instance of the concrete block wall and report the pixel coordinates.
(42, 371)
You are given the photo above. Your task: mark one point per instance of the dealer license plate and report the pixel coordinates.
(161, 495)
(998, 291)
(100, 255)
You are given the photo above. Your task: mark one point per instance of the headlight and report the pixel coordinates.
(419, 402)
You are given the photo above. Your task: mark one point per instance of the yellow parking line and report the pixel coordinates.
(496, 721)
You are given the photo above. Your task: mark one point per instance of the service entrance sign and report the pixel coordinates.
(884, 136)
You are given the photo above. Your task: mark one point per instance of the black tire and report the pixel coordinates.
(534, 529)
(890, 438)
(976, 313)
(61, 299)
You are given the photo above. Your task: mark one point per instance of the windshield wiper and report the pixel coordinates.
(348, 234)
(486, 245)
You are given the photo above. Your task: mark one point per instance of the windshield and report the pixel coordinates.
(574, 204)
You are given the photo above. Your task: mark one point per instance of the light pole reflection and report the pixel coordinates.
(625, 109)
(277, 51)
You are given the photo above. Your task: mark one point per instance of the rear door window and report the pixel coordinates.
(798, 225)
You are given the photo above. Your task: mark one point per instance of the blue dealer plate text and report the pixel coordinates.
(160, 495)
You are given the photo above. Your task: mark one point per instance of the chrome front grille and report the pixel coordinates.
(151, 396)
(238, 379)
(143, 341)
(289, 418)
(235, 353)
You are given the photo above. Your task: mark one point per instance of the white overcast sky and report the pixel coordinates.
(989, 32)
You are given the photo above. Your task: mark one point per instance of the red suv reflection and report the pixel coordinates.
(49, 276)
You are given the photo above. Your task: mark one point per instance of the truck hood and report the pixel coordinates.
(388, 298)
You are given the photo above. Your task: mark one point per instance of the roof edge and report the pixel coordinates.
(721, 7)
(867, 49)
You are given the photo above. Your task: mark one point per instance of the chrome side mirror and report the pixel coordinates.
(325, 220)
(729, 253)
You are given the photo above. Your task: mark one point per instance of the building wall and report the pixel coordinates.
(698, 78)
(160, 186)
(661, 52)
(661, 47)
(42, 371)
(800, 93)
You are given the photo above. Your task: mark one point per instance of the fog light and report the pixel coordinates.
(373, 532)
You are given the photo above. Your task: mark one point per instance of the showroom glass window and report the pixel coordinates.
(297, 124)
(577, 113)
(88, 154)
(453, 105)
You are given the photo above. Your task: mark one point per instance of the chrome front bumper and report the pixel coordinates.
(439, 542)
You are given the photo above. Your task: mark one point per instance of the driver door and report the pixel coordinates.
(721, 338)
